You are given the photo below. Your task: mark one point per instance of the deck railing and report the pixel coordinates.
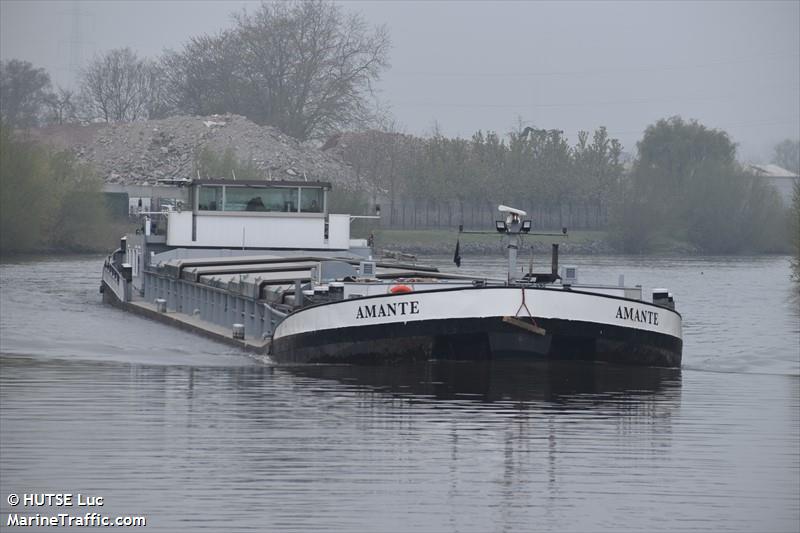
(114, 280)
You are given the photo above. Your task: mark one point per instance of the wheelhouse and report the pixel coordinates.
(258, 214)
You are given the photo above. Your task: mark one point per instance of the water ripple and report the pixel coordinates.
(200, 438)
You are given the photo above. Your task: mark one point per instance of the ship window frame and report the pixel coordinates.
(320, 196)
(220, 205)
(295, 198)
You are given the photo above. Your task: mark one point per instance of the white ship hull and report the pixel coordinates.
(474, 323)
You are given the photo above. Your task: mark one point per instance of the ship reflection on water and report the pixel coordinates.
(559, 443)
(556, 382)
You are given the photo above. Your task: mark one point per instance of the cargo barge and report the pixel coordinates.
(265, 266)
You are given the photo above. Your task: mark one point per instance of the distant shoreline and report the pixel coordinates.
(435, 242)
(580, 242)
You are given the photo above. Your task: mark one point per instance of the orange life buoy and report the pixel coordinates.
(398, 289)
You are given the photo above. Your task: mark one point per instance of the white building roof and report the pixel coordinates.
(771, 171)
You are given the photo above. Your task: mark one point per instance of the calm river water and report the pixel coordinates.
(198, 437)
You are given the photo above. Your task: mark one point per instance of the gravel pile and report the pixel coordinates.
(141, 153)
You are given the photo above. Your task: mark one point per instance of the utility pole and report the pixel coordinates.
(77, 43)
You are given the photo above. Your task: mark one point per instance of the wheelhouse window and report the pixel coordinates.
(210, 198)
(275, 199)
(282, 199)
(311, 200)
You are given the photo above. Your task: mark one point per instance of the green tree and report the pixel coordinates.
(597, 167)
(24, 91)
(47, 200)
(80, 218)
(687, 186)
(26, 199)
(670, 154)
(553, 165)
(732, 211)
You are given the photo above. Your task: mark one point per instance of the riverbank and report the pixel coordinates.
(103, 240)
(430, 242)
(580, 242)
(415, 242)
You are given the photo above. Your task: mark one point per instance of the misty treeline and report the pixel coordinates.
(455, 177)
(306, 68)
(48, 201)
(687, 187)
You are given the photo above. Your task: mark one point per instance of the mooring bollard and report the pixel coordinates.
(238, 331)
(161, 305)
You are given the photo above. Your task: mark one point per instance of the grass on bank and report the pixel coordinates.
(384, 238)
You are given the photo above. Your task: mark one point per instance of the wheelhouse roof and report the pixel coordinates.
(262, 183)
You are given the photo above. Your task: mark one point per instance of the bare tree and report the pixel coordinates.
(383, 159)
(119, 87)
(23, 93)
(307, 68)
(205, 78)
(61, 106)
(159, 103)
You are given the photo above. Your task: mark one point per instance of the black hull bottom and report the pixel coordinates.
(479, 339)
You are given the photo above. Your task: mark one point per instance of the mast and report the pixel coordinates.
(514, 228)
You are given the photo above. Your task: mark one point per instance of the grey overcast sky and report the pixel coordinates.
(487, 65)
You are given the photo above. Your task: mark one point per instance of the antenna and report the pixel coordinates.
(530, 265)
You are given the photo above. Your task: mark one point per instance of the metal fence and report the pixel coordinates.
(410, 214)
